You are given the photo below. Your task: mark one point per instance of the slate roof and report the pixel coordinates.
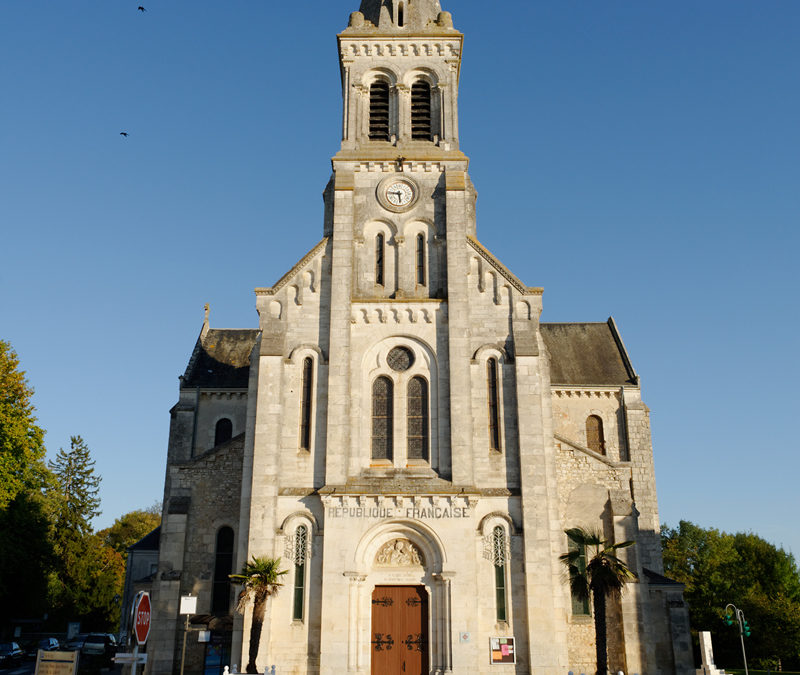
(221, 359)
(149, 542)
(587, 354)
(581, 354)
(656, 579)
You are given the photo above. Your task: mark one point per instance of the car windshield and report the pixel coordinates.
(101, 639)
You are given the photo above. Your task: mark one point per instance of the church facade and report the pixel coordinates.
(404, 432)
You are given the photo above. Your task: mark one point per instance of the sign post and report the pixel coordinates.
(188, 607)
(140, 628)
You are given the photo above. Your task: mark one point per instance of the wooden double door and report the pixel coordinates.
(399, 630)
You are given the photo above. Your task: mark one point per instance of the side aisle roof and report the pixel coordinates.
(589, 354)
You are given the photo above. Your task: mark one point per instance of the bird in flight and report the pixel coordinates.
(141, 9)
(123, 133)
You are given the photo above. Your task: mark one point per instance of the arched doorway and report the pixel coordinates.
(406, 625)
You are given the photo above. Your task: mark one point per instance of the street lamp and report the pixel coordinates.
(744, 627)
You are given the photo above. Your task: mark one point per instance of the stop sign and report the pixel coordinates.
(141, 618)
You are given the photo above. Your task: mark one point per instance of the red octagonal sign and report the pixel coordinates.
(141, 618)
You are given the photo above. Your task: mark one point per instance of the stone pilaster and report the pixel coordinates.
(459, 328)
(338, 384)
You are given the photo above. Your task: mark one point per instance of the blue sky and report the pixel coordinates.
(636, 159)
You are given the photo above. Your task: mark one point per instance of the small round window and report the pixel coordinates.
(400, 359)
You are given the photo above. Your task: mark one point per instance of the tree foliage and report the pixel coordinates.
(86, 570)
(130, 528)
(26, 557)
(762, 580)
(21, 440)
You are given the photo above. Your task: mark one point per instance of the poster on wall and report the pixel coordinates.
(502, 650)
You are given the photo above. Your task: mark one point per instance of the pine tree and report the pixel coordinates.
(75, 502)
(76, 493)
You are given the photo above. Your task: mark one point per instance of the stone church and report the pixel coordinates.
(403, 431)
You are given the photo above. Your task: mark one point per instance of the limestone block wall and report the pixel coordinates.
(203, 496)
(400, 231)
(572, 407)
(214, 406)
(643, 481)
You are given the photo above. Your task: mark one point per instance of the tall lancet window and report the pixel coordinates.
(420, 260)
(500, 558)
(421, 111)
(418, 442)
(382, 418)
(380, 263)
(494, 404)
(401, 14)
(223, 567)
(379, 111)
(300, 555)
(305, 403)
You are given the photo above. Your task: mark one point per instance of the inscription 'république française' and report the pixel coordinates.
(435, 512)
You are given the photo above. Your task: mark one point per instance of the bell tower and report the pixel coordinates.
(400, 62)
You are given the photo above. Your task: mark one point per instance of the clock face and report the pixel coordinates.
(399, 193)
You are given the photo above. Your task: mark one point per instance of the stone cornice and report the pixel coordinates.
(587, 390)
(353, 46)
(503, 270)
(272, 290)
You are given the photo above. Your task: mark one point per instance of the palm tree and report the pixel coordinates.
(260, 580)
(594, 569)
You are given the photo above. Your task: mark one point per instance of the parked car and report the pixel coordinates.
(10, 654)
(74, 644)
(99, 650)
(49, 644)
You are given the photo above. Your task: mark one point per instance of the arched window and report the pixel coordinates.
(418, 443)
(223, 431)
(223, 566)
(300, 555)
(401, 18)
(420, 260)
(580, 606)
(379, 111)
(493, 404)
(500, 558)
(382, 419)
(421, 111)
(305, 403)
(594, 434)
(380, 245)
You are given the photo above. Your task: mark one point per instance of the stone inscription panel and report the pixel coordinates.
(421, 513)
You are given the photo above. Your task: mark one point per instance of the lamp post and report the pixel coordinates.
(188, 607)
(744, 627)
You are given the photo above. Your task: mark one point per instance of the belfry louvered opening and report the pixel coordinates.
(379, 111)
(421, 111)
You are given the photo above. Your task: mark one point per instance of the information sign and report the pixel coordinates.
(56, 663)
(502, 650)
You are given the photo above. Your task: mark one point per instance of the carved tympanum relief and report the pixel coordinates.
(399, 553)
